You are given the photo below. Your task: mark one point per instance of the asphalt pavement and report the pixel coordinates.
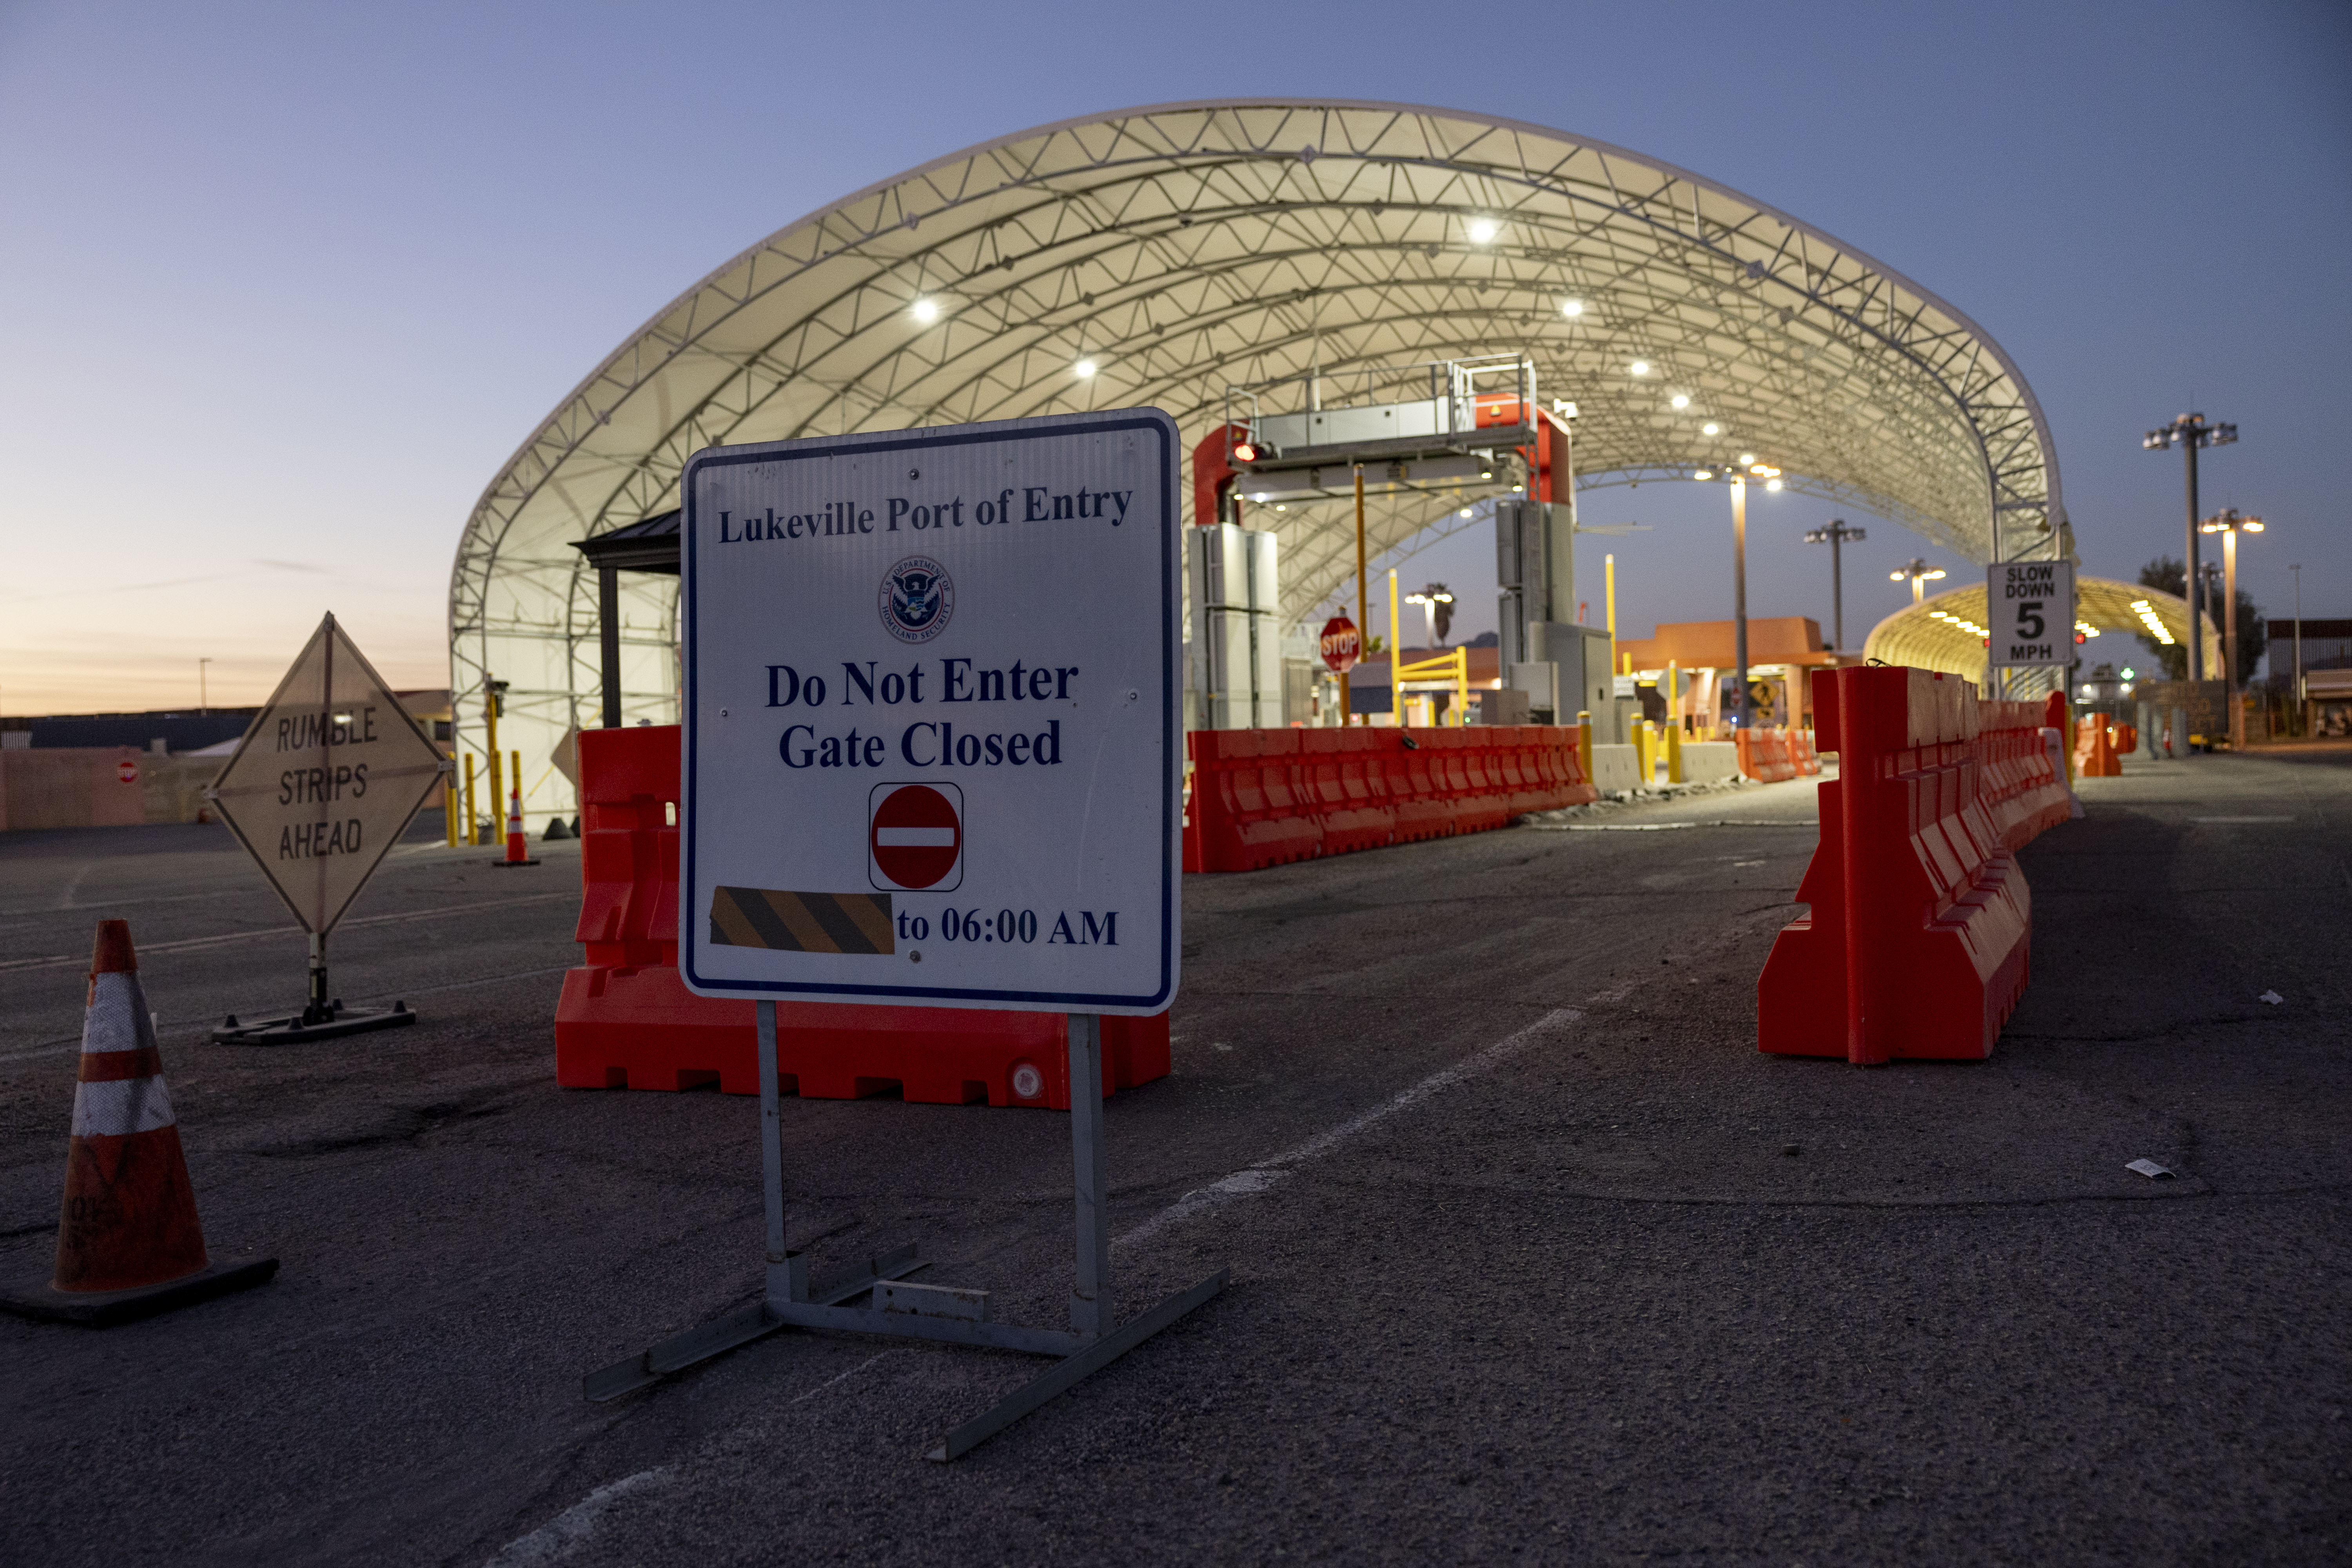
(1534, 1258)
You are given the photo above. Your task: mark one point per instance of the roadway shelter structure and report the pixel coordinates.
(1946, 632)
(1160, 255)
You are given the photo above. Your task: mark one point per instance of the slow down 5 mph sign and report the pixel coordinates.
(933, 741)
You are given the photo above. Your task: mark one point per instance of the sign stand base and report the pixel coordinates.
(320, 1018)
(927, 1311)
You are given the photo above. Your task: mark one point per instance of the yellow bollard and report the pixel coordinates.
(472, 835)
(1644, 742)
(1584, 743)
(1675, 753)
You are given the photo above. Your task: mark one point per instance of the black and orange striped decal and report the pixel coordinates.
(801, 922)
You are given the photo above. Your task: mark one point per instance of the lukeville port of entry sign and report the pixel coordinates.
(933, 730)
(2030, 612)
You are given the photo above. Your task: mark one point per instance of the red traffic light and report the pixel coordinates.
(2080, 639)
(1245, 452)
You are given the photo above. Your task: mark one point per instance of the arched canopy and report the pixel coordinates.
(1946, 632)
(1185, 248)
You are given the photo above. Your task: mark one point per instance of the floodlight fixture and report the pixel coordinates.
(1086, 369)
(1681, 400)
(1571, 308)
(925, 311)
(1482, 229)
(1710, 428)
(1639, 367)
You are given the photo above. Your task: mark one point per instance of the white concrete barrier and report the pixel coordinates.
(1615, 769)
(1705, 762)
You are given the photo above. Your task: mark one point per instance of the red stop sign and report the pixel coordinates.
(1342, 646)
(127, 770)
(916, 835)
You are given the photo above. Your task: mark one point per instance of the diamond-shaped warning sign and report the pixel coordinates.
(325, 780)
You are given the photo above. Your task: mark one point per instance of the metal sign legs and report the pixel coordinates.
(895, 1307)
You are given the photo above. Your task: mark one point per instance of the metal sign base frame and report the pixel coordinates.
(1088, 1345)
(322, 1017)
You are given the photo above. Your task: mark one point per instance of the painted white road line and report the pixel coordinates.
(55, 1047)
(1272, 1172)
(194, 943)
(560, 1536)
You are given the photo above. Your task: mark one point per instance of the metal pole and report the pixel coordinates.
(1090, 1305)
(1837, 586)
(2230, 636)
(497, 763)
(1396, 658)
(2298, 642)
(1363, 611)
(2196, 588)
(1739, 591)
(608, 636)
(316, 1011)
(1608, 573)
(787, 1275)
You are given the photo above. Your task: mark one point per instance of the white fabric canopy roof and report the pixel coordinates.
(1187, 248)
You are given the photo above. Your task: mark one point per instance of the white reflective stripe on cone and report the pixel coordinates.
(125, 1106)
(117, 1020)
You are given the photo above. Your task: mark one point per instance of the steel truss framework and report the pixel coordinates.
(1187, 248)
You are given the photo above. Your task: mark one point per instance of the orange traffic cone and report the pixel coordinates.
(128, 1241)
(518, 845)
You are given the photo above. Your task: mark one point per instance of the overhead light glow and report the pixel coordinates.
(1482, 229)
(1085, 368)
(926, 310)
(1775, 484)
(1704, 474)
(1465, 511)
(1681, 401)
(1710, 428)
(1639, 367)
(1571, 308)
(1747, 458)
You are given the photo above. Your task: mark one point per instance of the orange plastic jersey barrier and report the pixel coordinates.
(625, 1019)
(1916, 944)
(1264, 797)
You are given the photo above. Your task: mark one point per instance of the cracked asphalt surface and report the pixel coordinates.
(1534, 1258)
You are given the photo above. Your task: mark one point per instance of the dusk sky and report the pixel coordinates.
(284, 286)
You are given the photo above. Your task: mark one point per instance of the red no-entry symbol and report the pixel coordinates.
(915, 836)
(127, 770)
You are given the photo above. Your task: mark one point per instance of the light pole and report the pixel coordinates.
(1429, 599)
(1919, 572)
(2229, 522)
(1835, 536)
(2191, 434)
(2298, 641)
(1738, 475)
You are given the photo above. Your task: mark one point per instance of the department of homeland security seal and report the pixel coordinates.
(918, 599)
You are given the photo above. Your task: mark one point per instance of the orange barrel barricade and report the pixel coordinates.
(1918, 941)
(625, 1019)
